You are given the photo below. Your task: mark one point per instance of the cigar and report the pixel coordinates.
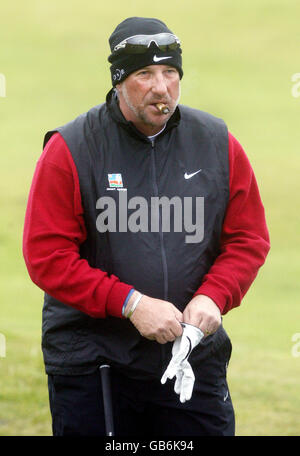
(163, 108)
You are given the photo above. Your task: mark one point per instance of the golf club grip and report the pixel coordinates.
(107, 399)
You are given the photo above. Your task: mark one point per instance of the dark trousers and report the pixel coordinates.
(143, 408)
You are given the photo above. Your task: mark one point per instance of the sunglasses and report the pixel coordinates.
(138, 44)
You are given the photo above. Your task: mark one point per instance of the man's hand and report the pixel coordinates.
(156, 319)
(202, 312)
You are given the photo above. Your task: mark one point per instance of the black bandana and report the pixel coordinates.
(123, 64)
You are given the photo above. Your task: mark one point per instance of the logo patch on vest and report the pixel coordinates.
(115, 180)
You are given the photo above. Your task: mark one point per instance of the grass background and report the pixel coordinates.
(238, 60)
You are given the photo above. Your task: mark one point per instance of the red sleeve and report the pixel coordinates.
(53, 231)
(245, 239)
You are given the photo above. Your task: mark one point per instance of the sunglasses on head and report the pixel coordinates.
(138, 44)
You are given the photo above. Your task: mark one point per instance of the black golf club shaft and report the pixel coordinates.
(107, 399)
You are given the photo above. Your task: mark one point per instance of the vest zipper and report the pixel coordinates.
(161, 235)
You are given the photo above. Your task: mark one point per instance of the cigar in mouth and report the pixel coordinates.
(163, 108)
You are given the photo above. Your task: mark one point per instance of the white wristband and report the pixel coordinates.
(134, 305)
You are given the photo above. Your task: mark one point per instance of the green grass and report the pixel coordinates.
(238, 61)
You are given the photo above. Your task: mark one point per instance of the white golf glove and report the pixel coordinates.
(185, 380)
(179, 365)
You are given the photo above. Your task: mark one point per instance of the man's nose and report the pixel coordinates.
(159, 85)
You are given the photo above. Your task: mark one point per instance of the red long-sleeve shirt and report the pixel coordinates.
(54, 230)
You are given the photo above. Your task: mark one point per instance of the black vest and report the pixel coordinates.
(116, 161)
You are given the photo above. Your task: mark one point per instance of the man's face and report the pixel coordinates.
(142, 90)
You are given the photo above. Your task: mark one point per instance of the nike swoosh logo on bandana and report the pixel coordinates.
(158, 59)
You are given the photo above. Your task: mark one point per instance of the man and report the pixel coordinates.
(144, 226)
